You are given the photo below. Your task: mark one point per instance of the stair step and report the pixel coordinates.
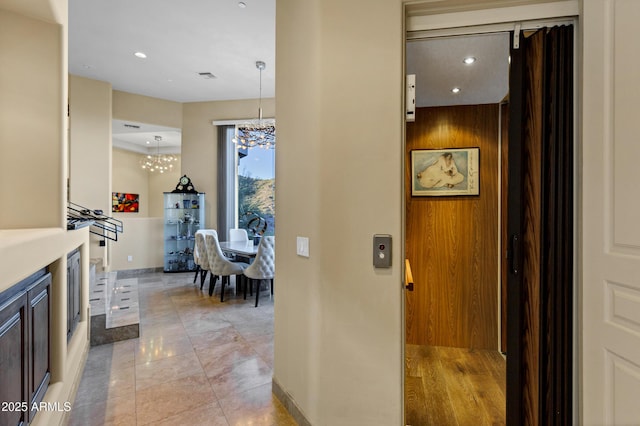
(115, 313)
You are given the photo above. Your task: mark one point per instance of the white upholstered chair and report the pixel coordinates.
(200, 256)
(220, 265)
(196, 259)
(237, 235)
(263, 266)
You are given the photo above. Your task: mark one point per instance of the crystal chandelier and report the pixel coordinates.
(257, 133)
(158, 162)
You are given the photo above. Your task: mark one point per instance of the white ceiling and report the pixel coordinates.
(181, 39)
(141, 137)
(439, 67)
(184, 38)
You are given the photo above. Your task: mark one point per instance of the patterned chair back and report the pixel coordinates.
(218, 263)
(200, 251)
(264, 265)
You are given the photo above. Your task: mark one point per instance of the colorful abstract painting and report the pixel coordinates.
(122, 202)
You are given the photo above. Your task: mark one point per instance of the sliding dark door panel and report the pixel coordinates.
(540, 204)
(556, 313)
(515, 322)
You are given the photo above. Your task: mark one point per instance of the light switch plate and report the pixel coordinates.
(302, 246)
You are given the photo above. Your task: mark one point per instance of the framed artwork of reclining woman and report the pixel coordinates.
(445, 172)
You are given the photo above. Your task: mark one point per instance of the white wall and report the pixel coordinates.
(129, 177)
(143, 240)
(90, 142)
(90, 150)
(32, 120)
(144, 109)
(143, 237)
(158, 184)
(338, 330)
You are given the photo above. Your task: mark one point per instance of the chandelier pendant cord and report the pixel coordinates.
(260, 67)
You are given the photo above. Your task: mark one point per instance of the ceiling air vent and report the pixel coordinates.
(131, 126)
(206, 75)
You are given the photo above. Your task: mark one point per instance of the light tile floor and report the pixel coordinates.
(197, 362)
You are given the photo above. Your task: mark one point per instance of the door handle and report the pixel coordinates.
(408, 276)
(515, 254)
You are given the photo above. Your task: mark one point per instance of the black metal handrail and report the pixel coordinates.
(102, 225)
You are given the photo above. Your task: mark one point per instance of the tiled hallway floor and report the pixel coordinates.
(197, 362)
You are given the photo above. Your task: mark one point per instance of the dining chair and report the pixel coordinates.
(238, 235)
(263, 267)
(200, 256)
(196, 256)
(221, 266)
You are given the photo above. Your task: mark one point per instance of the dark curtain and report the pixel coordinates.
(556, 302)
(540, 337)
(226, 181)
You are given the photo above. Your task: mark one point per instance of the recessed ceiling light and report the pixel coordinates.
(242, 4)
(469, 60)
(148, 142)
(456, 90)
(140, 55)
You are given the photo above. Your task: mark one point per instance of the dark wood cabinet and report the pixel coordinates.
(39, 344)
(73, 292)
(25, 347)
(13, 365)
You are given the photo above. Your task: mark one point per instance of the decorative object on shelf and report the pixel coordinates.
(257, 225)
(257, 133)
(122, 202)
(445, 172)
(186, 186)
(158, 162)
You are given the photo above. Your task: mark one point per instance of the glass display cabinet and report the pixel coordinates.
(183, 216)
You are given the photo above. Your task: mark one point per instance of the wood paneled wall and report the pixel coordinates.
(452, 242)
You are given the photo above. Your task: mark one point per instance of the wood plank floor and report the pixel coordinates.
(454, 386)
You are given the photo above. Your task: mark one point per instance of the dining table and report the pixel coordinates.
(240, 248)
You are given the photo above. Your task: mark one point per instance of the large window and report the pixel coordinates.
(246, 186)
(256, 188)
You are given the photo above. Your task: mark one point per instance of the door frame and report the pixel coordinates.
(428, 20)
